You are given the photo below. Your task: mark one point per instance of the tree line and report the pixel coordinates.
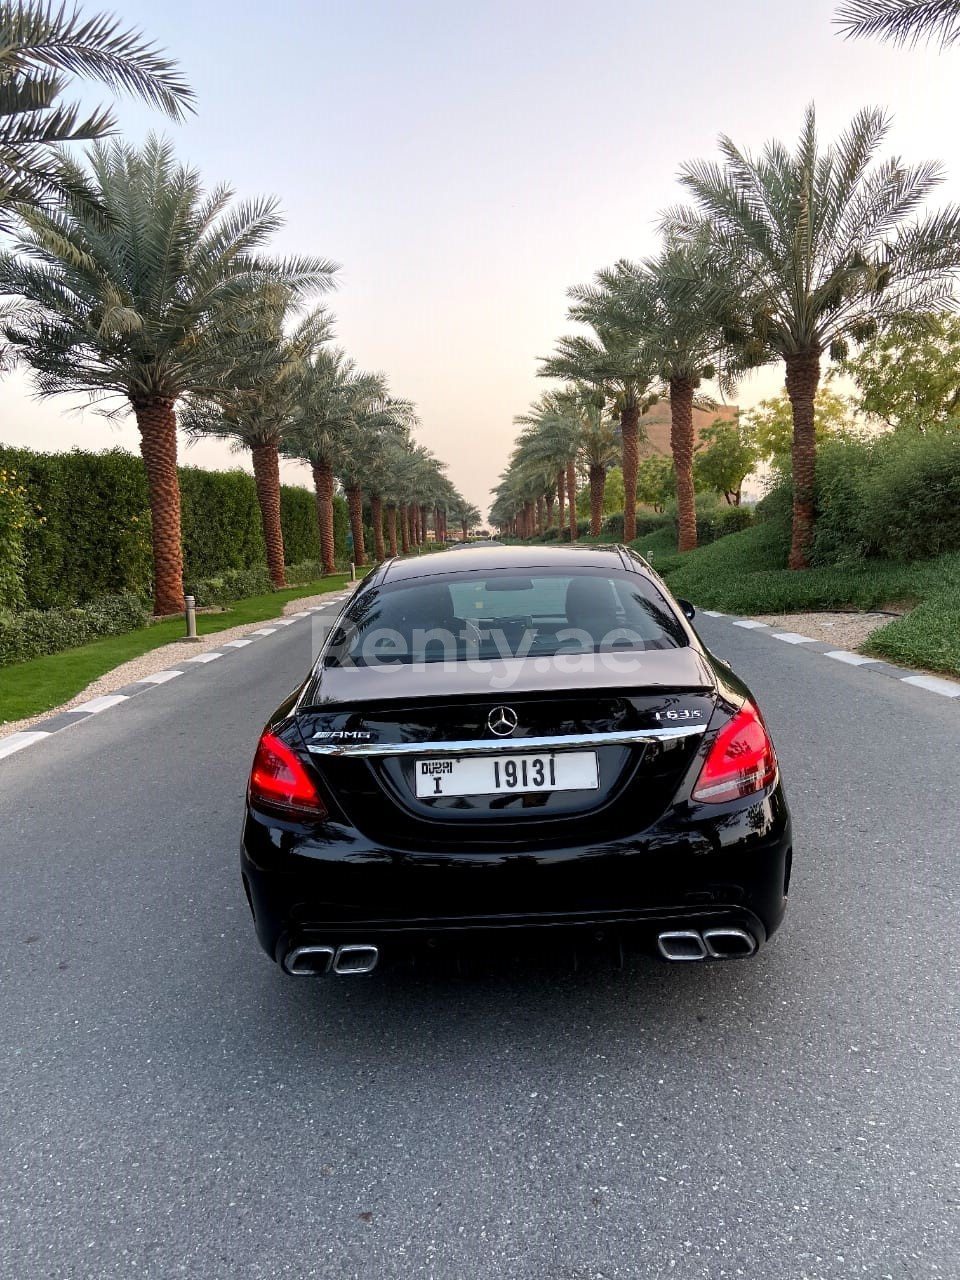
(801, 255)
(133, 284)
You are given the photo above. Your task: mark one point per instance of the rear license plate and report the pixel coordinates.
(490, 775)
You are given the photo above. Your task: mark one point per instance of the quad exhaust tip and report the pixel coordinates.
(314, 961)
(714, 944)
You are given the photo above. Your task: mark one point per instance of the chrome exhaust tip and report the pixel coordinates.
(729, 944)
(681, 944)
(355, 958)
(308, 961)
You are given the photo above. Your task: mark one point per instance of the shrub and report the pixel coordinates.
(36, 632)
(895, 496)
(612, 527)
(721, 521)
(305, 571)
(232, 584)
(652, 521)
(551, 534)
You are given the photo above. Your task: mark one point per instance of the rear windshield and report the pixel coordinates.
(500, 614)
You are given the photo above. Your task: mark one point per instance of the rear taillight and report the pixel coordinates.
(279, 780)
(741, 760)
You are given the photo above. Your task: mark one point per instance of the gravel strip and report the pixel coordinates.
(160, 659)
(845, 630)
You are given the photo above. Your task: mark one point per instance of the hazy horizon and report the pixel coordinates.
(466, 167)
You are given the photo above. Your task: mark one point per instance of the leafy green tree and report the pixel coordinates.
(43, 47)
(656, 481)
(725, 456)
(902, 21)
(816, 249)
(142, 306)
(770, 423)
(909, 377)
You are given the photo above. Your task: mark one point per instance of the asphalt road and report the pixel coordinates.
(171, 1106)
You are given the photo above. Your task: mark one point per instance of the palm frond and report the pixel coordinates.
(904, 22)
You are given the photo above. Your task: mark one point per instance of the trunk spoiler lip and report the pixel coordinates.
(682, 670)
(491, 746)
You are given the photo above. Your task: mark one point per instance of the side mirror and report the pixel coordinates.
(689, 612)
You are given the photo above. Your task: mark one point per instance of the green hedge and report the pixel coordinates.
(36, 632)
(95, 538)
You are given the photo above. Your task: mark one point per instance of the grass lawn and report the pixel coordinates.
(743, 573)
(29, 688)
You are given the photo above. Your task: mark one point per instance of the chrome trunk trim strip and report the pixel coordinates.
(487, 746)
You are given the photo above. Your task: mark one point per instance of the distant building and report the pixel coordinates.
(656, 424)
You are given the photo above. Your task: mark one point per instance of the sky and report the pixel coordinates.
(467, 163)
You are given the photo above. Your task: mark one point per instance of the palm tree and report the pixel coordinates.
(612, 363)
(555, 444)
(814, 250)
(140, 306)
(331, 389)
(902, 21)
(42, 47)
(260, 406)
(388, 423)
(661, 304)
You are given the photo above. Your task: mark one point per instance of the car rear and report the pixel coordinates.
(629, 787)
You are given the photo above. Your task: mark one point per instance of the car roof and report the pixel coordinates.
(485, 559)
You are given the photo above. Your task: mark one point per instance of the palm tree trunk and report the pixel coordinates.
(630, 430)
(376, 519)
(392, 527)
(464, 530)
(405, 529)
(323, 484)
(681, 446)
(561, 493)
(355, 507)
(572, 499)
(803, 377)
(540, 515)
(157, 424)
(423, 522)
(548, 521)
(598, 482)
(266, 475)
(437, 530)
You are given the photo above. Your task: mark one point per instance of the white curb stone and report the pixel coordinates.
(748, 625)
(792, 637)
(96, 705)
(944, 687)
(17, 741)
(160, 677)
(852, 659)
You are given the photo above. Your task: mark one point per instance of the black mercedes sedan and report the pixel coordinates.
(526, 741)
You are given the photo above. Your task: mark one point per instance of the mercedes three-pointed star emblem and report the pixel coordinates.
(502, 721)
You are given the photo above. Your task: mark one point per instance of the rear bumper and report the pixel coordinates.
(341, 888)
